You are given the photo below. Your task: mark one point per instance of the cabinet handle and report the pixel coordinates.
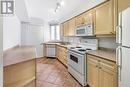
(111, 32)
(100, 67)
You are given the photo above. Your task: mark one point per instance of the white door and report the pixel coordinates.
(126, 28)
(125, 67)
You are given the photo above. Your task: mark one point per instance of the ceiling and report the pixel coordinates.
(44, 9)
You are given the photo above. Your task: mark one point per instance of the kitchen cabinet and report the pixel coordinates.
(101, 72)
(104, 18)
(92, 72)
(80, 20)
(61, 54)
(66, 28)
(107, 77)
(61, 30)
(71, 23)
(88, 17)
(123, 4)
(20, 74)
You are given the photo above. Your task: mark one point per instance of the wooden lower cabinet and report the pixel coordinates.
(92, 72)
(101, 73)
(21, 74)
(107, 78)
(61, 54)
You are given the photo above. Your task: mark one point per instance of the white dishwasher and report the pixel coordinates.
(50, 50)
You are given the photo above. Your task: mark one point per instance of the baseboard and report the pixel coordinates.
(14, 47)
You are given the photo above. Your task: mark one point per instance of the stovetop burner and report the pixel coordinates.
(84, 49)
(72, 47)
(78, 47)
(81, 50)
(88, 49)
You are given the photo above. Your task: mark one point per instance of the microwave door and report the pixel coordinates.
(80, 32)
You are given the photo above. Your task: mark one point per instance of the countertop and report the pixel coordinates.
(18, 55)
(60, 44)
(104, 54)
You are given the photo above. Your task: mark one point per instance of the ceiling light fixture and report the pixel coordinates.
(58, 6)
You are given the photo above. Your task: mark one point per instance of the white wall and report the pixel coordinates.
(108, 42)
(1, 50)
(12, 25)
(11, 32)
(31, 34)
(46, 32)
(21, 10)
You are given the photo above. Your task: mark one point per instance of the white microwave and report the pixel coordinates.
(84, 30)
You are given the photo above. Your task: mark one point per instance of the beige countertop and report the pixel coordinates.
(104, 54)
(19, 54)
(60, 44)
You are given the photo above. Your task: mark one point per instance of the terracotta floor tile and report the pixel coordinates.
(58, 86)
(60, 81)
(42, 77)
(52, 73)
(51, 79)
(46, 84)
(38, 83)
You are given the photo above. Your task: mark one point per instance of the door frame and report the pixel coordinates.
(1, 51)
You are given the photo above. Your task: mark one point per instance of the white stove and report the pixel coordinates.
(77, 60)
(83, 48)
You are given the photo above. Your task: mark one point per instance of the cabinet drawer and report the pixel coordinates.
(108, 65)
(93, 59)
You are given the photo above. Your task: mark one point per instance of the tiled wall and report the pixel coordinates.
(106, 42)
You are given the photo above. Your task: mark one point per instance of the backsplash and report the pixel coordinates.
(105, 42)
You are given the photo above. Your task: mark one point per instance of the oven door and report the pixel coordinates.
(77, 62)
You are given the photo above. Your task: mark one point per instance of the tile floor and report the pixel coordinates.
(51, 73)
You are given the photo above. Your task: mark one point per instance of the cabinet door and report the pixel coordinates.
(92, 72)
(79, 20)
(66, 29)
(104, 19)
(123, 4)
(88, 16)
(72, 27)
(108, 78)
(61, 30)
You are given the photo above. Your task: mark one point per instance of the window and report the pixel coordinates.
(55, 32)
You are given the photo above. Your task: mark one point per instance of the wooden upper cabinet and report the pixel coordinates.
(123, 4)
(65, 28)
(104, 19)
(72, 25)
(80, 20)
(61, 30)
(88, 16)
